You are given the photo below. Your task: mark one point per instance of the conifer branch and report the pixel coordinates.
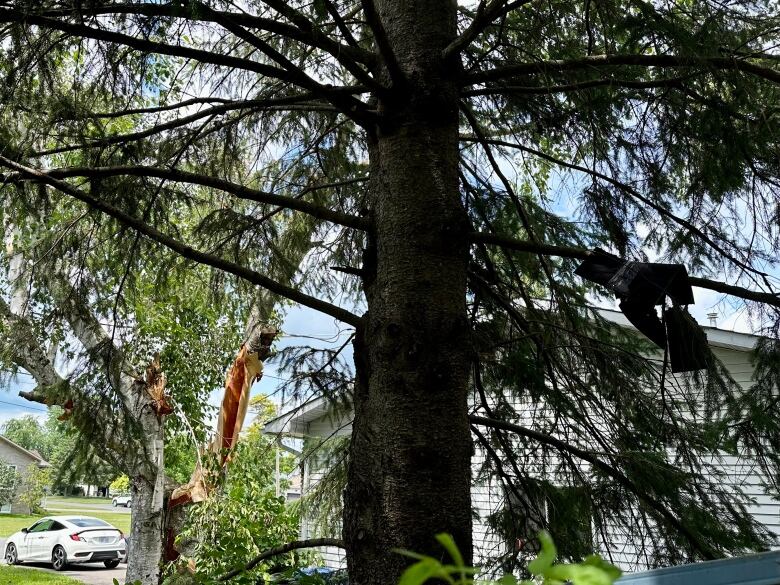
(348, 105)
(580, 86)
(604, 467)
(486, 15)
(383, 42)
(306, 35)
(343, 28)
(595, 62)
(184, 249)
(625, 188)
(240, 191)
(772, 299)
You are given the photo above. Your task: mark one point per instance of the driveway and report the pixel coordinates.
(91, 574)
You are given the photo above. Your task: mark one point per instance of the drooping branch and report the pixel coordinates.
(605, 468)
(349, 105)
(595, 62)
(626, 189)
(255, 105)
(234, 24)
(280, 550)
(176, 175)
(183, 249)
(579, 86)
(767, 298)
(303, 32)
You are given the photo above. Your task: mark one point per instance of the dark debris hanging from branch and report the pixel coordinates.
(641, 286)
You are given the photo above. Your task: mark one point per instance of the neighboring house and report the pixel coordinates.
(20, 459)
(314, 419)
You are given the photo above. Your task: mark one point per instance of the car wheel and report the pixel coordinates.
(127, 505)
(113, 503)
(11, 556)
(113, 564)
(59, 558)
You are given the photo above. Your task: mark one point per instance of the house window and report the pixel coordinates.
(563, 511)
(6, 508)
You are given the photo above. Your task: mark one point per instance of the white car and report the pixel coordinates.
(125, 501)
(67, 539)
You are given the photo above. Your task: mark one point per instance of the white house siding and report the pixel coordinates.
(488, 497)
(12, 454)
(330, 556)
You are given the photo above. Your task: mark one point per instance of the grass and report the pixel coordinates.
(10, 523)
(77, 499)
(19, 576)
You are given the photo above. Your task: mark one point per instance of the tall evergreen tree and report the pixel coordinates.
(459, 160)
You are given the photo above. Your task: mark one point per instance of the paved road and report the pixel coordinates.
(56, 510)
(60, 506)
(91, 574)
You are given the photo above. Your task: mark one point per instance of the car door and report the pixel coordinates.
(50, 537)
(36, 540)
(23, 546)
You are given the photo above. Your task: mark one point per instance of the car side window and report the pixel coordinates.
(56, 526)
(42, 526)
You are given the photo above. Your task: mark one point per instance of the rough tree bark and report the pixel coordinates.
(409, 473)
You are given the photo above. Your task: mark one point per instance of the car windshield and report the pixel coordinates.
(87, 522)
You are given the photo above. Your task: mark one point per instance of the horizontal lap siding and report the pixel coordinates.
(487, 495)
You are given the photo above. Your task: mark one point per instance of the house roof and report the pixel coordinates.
(716, 337)
(295, 422)
(34, 455)
(758, 569)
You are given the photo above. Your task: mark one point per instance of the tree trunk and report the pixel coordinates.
(145, 534)
(409, 474)
(146, 548)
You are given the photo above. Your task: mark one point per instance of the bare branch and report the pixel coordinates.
(184, 249)
(280, 550)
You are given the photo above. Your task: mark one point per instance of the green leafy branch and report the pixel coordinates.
(592, 571)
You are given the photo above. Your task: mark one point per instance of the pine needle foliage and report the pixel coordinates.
(241, 137)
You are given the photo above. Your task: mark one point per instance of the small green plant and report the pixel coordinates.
(592, 571)
(35, 483)
(121, 485)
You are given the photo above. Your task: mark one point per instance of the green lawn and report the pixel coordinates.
(77, 500)
(19, 576)
(10, 523)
